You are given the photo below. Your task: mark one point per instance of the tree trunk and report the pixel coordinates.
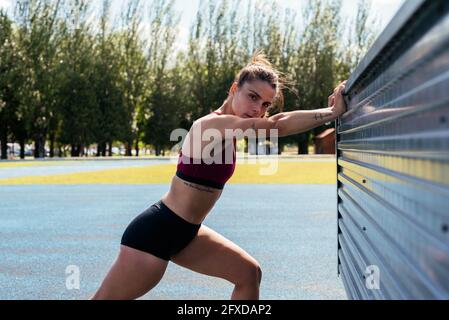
(100, 149)
(42, 152)
(137, 147)
(22, 148)
(280, 147)
(75, 152)
(303, 145)
(129, 148)
(39, 146)
(157, 150)
(110, 149)
(4, 142)
(36, 148)
(52, 145)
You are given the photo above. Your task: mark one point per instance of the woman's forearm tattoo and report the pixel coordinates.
(320, 116)
(205, 189)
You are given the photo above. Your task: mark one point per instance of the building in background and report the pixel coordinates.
(325, 142)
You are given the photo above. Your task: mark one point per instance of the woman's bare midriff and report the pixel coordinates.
(190, 201)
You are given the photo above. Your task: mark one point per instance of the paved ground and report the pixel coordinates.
(289, 228)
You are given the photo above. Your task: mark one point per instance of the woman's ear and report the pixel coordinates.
(233, 88)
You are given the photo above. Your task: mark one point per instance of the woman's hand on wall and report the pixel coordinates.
(336, 101)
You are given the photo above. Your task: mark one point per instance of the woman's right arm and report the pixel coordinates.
(283, 124)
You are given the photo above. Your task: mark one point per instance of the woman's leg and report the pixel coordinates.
(212, 254)
(133, 274)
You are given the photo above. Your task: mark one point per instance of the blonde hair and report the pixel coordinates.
(260, 68)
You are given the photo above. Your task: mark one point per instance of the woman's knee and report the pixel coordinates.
(249, 274)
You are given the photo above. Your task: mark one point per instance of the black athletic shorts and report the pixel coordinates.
(159, 231)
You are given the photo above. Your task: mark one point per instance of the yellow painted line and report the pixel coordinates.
(284, 173)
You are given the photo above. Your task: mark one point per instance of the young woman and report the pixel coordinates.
(172, 230)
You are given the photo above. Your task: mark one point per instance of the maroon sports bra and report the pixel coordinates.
(213, 175)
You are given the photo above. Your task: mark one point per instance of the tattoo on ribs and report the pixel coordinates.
(205, 189)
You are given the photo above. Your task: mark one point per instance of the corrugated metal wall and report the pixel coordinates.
(393, 162)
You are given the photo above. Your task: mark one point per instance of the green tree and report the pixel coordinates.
(135, 73)
(8, 98)
(38, 37)
(160, 110)
(213, 56)
(362, 33)
(113, 118)
(15, 84)
(78, 105)
(314, 70)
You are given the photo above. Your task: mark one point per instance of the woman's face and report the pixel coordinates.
(253, 99)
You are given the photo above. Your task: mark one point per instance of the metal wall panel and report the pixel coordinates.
(393, 162)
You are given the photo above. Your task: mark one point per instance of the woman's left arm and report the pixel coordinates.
(293, 122)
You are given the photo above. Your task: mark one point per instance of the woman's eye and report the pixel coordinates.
(253, 97)
(266, 105)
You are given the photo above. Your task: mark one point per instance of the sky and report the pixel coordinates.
(383, 10)
(5, 4)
